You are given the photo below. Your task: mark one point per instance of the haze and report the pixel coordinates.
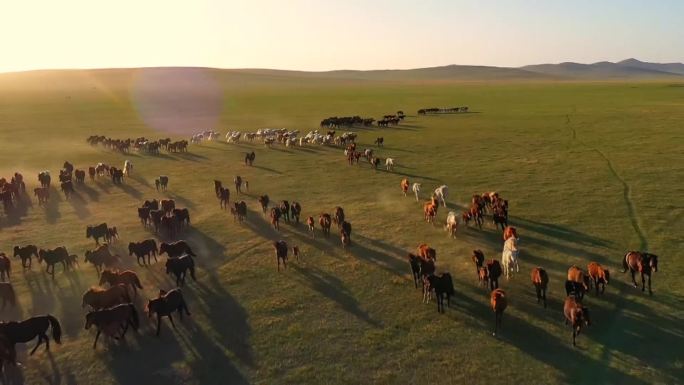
(327, 35)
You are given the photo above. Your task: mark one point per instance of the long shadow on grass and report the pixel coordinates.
(564, 233)
(136, 177)
(130, 190)
(391, 263)
(191, 156)
(52, 207)
(79, 205)
(92, 194)
(267, 169)
(334, 289)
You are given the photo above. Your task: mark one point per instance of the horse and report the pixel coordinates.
(414, 262)
(576, 315)
(27, 330)
(176, 249)
(97, 232)
(101, 257)
(575, 289)
(451, 224)
(179, 266)
(127, 277)
(478, 259)
(43, 194)
(7, 294)
(404, 186)
(144, 248)
(5, 266)
(345, 233)
(224, 197)
(165, 305)
(280, 248)
(99, 298)
(324, 221)
(443, 286)
(509, 256)
(285, 210)
(263, 201)
(275, 217)
(240, 210)
(128, 167)
(52, 257)
(575, 274)
(113, 319)
(218, 185)
(509, 232)
(493, 272)
(238, 184)
(499, 302)
(416, 190)
(442, 192)
(338, 216)
(540, 280)
(644, 263)
(295, 211)
(599, 276)
(310, 224)
(426, 252)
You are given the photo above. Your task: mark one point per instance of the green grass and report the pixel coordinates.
(572, 158)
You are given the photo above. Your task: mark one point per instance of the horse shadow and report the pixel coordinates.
(334, 289)
(103, 186)
(130, 190)
(139, 179)
(191, 156)
(93, 194)
(387, 262)
(267, 169)
(52, 206)
(162, 155)
(79, 205)
(563, 233)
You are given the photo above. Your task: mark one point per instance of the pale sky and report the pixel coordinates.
(334, 34)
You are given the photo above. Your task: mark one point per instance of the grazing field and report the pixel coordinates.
(591, 171)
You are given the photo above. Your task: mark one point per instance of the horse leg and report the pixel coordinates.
(574, 336)
(643, 282)
(158, 324)
(40, 340)
(633, 280)
(97, 336)
(650, 292)
(544, 297)
(538, 290)
(47, 342)
(171, 319)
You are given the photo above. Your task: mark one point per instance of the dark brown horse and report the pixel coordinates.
(494, 271)
(127, 277)
(97, 232)
(27, 330)
(112, 320)
(499, 303)
(644, 263)
(179, 267)
(25, 254)
(280, 248)
(165, 305)
(53, 257)
(443, 286)
(176, 249)
(144, 248)
(478, 258)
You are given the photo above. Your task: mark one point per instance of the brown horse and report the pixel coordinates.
(5, 266)
(7, 294)
(540, 280)
(575, 274)
(338, 216)
(101, 257)
(404, 186)
(324, 221)
(599, 276)
(577, 315)
(310, 224)
(99, 298)
(644, 263)
(275, 217)
(144, 248)
(128, 278)
(27, 330)
(280, 248)
(426, 252)
(263, 201)
(510, 231)
(499, 302)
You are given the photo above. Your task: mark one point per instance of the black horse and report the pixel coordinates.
(27, 330)
(97, 232)
(123, 315)
(179, 267)
(165, 305)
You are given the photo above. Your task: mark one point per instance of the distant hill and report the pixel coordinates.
(626, 69)
(630, 69)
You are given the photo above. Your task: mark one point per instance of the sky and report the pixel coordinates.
(334, 34)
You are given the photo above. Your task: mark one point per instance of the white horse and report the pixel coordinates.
(451, 224)
(509, 256)
(416, 189)
(128, 167)
(389, 164)
(442, 192)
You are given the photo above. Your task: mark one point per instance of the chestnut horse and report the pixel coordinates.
(644, 263)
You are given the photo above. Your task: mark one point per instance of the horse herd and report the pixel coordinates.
(141, 144)
(488, 271)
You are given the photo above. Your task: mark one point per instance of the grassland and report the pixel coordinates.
(591, 170)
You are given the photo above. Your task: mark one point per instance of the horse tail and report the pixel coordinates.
(56, 328)
(189, 250)
(624, 263)
(134, 317)
(192, 272)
